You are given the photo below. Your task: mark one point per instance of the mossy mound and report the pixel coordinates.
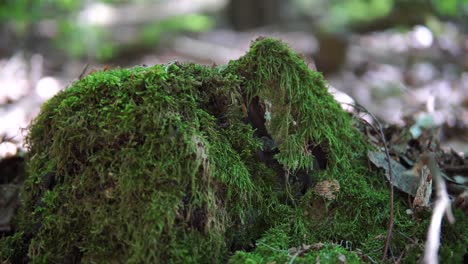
(184, 163)
(132, 165)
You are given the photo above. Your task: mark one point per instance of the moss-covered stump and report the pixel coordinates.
(182, 163)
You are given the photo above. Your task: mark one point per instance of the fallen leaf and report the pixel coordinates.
(403, 179)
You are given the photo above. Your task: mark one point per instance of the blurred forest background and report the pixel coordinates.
(406, 61)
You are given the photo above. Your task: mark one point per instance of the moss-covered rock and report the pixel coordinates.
(183, 163)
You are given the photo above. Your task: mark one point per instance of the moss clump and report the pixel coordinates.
(192, 164)
(133, 164)
(315, 135)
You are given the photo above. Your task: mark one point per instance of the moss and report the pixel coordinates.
(140, 169)
(12, 248)
(274, 247)
(183, 163)
(327, 254)
(303, 117)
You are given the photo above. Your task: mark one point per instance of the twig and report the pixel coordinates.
(442, 205)
(272, 248)
(299, 251)
(294, 257)
(83, 72)
(400, 257)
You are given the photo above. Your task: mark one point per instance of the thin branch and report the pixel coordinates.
(83, 72)
(272, 248)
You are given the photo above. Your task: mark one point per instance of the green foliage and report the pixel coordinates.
(95, 41)
(151, 34)
(446, 7)
(78, 39)
(26, 12)
(23, 14)
(159, 164)
(451, 7)
(336, 15)
(342, 13)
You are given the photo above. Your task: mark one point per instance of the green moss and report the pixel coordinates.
(167, 164)
(303, 116)
(300, 113)
(141, 168)
(328, 254)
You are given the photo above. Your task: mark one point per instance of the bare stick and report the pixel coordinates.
(442, 205)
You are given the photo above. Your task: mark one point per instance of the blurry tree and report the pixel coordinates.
(249, 14)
